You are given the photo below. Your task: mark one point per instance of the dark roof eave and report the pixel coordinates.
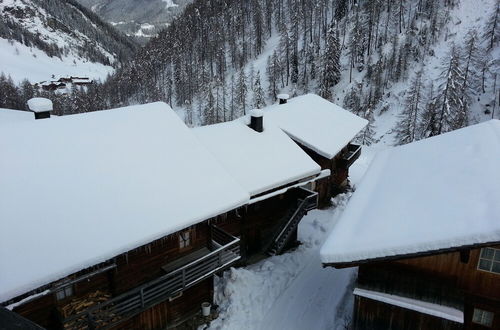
(357, 263)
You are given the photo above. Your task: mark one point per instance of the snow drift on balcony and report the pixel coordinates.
(258, 161)
(438, 193)
(78, 190)
(316, 123)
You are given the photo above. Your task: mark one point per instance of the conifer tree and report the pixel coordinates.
(452, 112)
(331, 63)
(258, 93)
(429, 123)
(492, 29)
(407, 126)
(241, 91)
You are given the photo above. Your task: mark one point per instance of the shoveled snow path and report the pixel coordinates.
(314, 302)
(293, 290)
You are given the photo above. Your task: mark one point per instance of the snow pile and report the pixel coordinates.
(40, 104)
(258, 161)
(434, 194)
(290, 291)
(100, 184)
(316, 123)
(440, 311)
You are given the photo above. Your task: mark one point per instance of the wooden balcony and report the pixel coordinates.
(349, 157)
(222, 251)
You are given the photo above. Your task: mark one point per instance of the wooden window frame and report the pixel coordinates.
(65, 292)
(186, 242)
(482, 317)
(494, 260)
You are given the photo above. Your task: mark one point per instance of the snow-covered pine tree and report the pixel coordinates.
(272, 71)
(491, 29)
(330, 74)
(429, 123)
(451, 109)
(209, 108)
(259, 99)
(470, 80)
(408, 124)
(241, 91)
(341, 9)
(352, 100)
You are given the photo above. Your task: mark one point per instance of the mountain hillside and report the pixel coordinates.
(413, 68)
(41, 38)
(139, 18)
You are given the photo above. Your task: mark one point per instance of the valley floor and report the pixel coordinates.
(293, 290)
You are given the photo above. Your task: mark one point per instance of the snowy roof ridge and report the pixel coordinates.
(259, 161)
(433, 195)
(316, 123)
(114, 171)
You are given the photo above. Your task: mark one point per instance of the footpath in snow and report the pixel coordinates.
(293, 290)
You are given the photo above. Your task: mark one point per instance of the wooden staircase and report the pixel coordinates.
(307, 201)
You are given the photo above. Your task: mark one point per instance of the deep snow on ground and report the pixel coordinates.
(293, 290)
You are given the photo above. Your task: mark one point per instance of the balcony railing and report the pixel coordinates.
(349, 157)
(307, 200)
(225, 251)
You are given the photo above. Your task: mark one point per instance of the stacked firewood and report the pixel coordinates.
(80, 305)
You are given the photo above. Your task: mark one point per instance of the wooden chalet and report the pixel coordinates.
(424, 229)
(109, 233)
(52, 85)
(325, 132)
(274, 171)
(126, 227)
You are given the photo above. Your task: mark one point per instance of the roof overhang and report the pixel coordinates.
(356, 263)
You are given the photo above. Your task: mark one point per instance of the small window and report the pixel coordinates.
(185, 239)
(482, 317)
(64, 293)
(489, 260)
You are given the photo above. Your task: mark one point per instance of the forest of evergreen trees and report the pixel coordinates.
(203, 62)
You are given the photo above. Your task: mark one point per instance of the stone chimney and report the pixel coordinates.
(283, 98)
(41, 107)
(257, 120)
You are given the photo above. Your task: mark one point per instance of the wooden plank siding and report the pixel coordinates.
(446, 278)
(374, 315)
(466, 275)
(338, 179)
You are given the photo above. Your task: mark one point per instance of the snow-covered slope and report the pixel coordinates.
(142, 19)
(39, 39)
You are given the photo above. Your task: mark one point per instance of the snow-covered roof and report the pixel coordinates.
(77, 190)
(438, 193)
(9, 116)
(40, 104)
(258, 161)
(316, 123)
